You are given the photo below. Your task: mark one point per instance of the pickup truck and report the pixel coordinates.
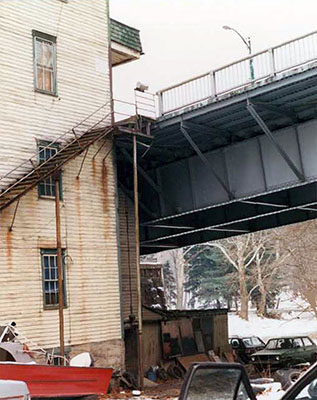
(13, 390)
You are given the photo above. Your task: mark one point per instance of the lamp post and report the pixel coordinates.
(247, 42)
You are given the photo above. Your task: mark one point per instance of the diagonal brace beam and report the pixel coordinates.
(205, 161)
(208, 130)
(268, 133)
(278, 110)
(148, 178)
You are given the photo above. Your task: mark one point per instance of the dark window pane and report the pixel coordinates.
(50, 278)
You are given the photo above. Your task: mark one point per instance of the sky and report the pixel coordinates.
(184, 38)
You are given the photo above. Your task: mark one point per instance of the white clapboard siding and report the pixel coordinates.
(81, 28)
(89, 206)
(89, 235)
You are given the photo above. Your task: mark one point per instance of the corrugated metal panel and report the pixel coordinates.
(127, 256)
(88, 225)
(81, 28)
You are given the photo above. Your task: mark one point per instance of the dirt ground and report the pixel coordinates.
(165, 390)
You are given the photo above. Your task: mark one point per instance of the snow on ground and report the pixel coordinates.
(292, 323)
(295, 320)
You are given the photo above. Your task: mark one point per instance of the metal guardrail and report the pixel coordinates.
(237, 75)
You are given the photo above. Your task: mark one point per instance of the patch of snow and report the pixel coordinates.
(269, 395)
(156, 306)
(267, 328)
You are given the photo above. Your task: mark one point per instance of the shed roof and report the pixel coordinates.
(125, 35)
(175, 314)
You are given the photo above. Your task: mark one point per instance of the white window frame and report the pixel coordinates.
(48, 185)
(52, 282)
(43, 37)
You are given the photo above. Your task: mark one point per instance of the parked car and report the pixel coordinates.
(285, 352)
(13, 390)
(229, 381)
(244, 347)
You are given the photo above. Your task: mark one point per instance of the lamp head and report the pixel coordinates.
(226, 27)
(141, 87)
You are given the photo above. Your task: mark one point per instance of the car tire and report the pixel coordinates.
(287, 377)
(175, 372)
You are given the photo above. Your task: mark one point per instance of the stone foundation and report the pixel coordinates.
(109, 353)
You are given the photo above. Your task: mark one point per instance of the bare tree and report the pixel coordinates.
(268, 262)
(176, 259)
(240, 251)
(301, 243)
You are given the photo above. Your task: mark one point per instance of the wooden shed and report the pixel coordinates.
(175, 333)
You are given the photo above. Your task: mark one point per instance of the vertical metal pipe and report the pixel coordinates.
(137, 261)
(59, 266)
(110, 67)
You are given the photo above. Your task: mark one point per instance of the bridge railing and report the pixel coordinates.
(239, 74)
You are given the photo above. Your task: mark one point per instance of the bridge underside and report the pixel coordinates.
(235, 165)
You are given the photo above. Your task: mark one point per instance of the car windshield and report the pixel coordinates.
(283, 343)
(252, 342)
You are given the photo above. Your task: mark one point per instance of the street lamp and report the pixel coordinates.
(247, 42)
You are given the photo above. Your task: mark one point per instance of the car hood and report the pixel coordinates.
(271, 352)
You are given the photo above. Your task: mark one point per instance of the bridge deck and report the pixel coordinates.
(231, 164)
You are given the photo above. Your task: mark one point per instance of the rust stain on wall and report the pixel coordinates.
(80, 238)
(93, 164)
(9, 248)
(104, 185)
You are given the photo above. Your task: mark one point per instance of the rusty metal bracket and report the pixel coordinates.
(82, 163)
(14, 215)
(108, 152)
(99, 149)
(76, 137)
(35, 166)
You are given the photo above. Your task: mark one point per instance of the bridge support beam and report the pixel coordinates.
(268, 133)
(205, 160)
(278, 110)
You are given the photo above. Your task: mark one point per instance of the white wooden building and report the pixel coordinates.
(55, 70)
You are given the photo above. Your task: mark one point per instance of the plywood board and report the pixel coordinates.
(186, 361)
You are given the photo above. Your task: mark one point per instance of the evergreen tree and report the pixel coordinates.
(209, 278)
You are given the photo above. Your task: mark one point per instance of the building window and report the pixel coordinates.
(45, 63)
(47, 186)
(50, 278)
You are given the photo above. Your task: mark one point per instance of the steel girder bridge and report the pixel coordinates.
(229, 155)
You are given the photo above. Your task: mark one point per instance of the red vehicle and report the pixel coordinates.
(56, 381)
(49, 380)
